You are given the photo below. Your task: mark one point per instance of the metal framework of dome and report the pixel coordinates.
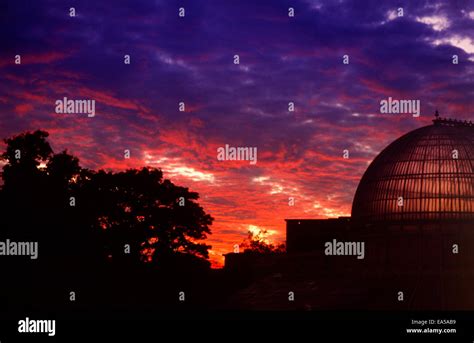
(425, 175)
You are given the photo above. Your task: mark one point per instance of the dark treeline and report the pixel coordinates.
(128, 239)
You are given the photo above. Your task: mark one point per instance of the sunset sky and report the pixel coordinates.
(190, 59)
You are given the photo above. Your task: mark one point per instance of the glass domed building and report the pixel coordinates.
(425, 175)
(414, 212)
(412, 217)
(421, 182)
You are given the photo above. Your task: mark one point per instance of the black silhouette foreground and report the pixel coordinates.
(103, 239)
(108, 243)
(131, 243)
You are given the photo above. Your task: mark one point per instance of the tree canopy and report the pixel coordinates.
(257, 242)
(81, 214)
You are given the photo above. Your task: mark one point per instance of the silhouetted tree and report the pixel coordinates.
(145, 217)
(85, 219)
(257, 242)
(24, 183)
(79, 214)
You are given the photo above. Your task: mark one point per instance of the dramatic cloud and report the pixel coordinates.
(399, 51)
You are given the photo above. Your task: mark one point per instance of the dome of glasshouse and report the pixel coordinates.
(427, 174)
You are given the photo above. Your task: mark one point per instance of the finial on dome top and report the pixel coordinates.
(437, 120)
